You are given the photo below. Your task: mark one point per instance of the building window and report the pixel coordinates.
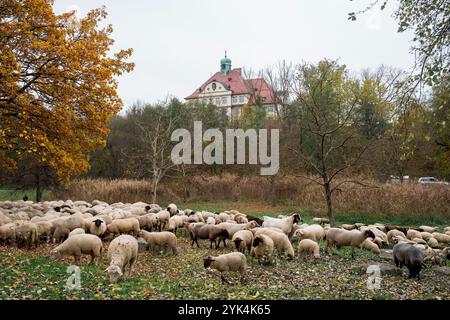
(234, 100)
(270, 109)
(214, 86)
(241, 99)
(224, 100)
(217, 101)
(205, 101)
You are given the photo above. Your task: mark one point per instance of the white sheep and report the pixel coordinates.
(163, 219)
(160, 239)
(234, 261)
(243, 240)
(392, 233)
(428, 229)
(232, 228)
(77, 245)
(441, 237)
(211, 220)
(411, 234)
(370, 245)
(314, 232)
(432, 242)
(122, 252)
(280, 240)
(284, 224)
(340, 237)
(76, 231)
(310, 246)
(127, 225)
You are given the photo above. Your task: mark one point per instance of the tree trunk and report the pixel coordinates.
(155, 188)
(330, 214)
(38, 188)
(273, 191)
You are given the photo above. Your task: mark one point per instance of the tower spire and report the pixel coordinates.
(225, 65)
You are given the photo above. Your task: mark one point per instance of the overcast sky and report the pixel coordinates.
(178, 43)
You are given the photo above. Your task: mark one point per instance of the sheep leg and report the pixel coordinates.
(132, 261)
(353, 252)
(77, 259)
(92, 259)
(196, 241)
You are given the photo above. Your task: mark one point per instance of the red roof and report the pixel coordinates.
(238, 85)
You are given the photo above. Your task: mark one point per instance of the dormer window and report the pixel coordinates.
(214, 86)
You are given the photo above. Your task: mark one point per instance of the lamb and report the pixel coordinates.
(406, 254)
(234, 261)
(77, 245)
(163, 218)
(172, 209)
(284, 224)
(243, 240)
(314, 232)
(280, 240)
(76, 231)
(393, 233)
(127, 225)
(262, 247)
(310, 246)
(441, 237)
(341, 237)
(163, 239)
(211, 232)
(122, 252)
(98, 227)
(370, 245)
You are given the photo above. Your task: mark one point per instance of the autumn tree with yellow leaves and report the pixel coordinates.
(58, 86)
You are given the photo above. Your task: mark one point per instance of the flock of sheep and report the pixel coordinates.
(81, 228)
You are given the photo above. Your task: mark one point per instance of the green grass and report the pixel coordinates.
(32, 275)
(13, 195)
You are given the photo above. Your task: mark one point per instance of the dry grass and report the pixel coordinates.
(404, 202)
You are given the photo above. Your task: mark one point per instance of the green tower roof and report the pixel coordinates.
(225, 65)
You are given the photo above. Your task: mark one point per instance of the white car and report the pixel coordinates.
(431, 180)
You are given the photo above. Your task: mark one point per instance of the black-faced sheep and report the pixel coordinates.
(243, 240)
(263, 247)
